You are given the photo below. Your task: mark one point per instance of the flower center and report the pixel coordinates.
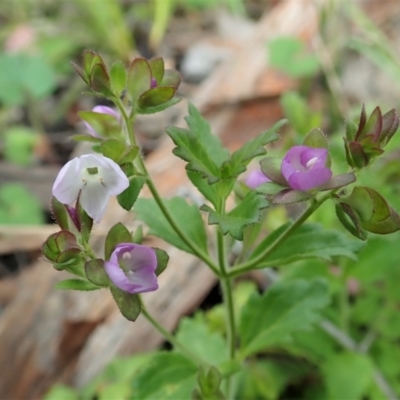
(92, 171)
(310, 163)
(90, 175)
(125, 265)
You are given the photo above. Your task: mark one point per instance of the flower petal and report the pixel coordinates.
(106, 110)
(141, 264)
(118, 277)
(68, 182)
(256, 178)
(319, 154)
(113, 177)
(94, 198)
(90, 130)
(308, 180)
(145, 279)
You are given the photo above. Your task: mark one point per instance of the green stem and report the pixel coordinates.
(226, 285)
(193, 246)
(128, 121)
(253, 262)
(167, 335)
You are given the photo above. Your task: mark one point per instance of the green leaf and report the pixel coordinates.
(246, 213)
(308, 241)
(60, 214)
(117, 78)
(95, 272)
(59, 392)
(76, 284)
(160, 107)
(139, 78)
(113, 148)
(168, 376)
(199, 147)
(253, 148)
(210, 347)
(265, 379)
(18, 206)
(289, 196)
(187, 216)
(99, 80)
(128, 155)
(155, 96)
(348, 376)
(162, 260)
(289, 55)
(118, 234)
(271, 318)
(128, 197)
(86, 222)
(104, 124)
(128, 304)
(209, 384)
(317, 139)
(271, 167)
(210, 192)
(171, 78)
(157, 69)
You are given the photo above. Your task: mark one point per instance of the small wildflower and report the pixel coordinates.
(132, 268)
(93, 178)
(304, 167)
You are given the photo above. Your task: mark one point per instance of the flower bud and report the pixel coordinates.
(61, 247)
(367, 141)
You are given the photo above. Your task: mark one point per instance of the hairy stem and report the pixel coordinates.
(226, 285)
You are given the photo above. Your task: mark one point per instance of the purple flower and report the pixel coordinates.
(132, 268)
(304, 167)
(101, 110)
(256, 178)
(93, 178)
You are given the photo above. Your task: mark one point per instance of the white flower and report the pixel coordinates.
(93, 178)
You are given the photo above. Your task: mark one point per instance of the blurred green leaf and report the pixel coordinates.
(23, 75)
(18, 206)
(308, 241)
(347, 376)
(210, 347)
(265, 379)
(76, 284)
(61, 392)
(18, 145)
(168, 376)
(288, 54)
(270, 319)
